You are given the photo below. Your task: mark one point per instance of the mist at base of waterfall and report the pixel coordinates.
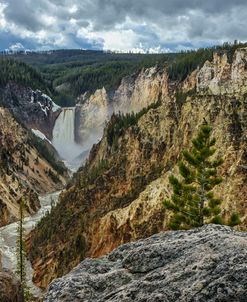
(72, 154)
(64, 135)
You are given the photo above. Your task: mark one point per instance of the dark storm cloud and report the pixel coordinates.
(25, 13)
(115, 11)
(76, 23)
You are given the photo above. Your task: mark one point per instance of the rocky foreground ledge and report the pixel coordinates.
(204, 264)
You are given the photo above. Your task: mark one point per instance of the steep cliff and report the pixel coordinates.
(91, 117)
(116, 197)
(223, 76)
(205, 264)
(32, 108)
(10, 287)
(133, 94)
(24, 169)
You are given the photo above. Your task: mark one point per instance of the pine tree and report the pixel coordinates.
(193, 203)
(21, 252)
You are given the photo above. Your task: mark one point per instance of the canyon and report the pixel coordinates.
(126, 142)
(116, 196)
(34, 127)
(24, 170)
(76, 129)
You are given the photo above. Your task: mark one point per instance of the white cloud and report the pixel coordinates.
(73, 9)
(124, 40)
(16, 47)
(3, 22)
(48, 20)
(127, 25)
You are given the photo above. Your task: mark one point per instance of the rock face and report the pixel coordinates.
(23, 170)
(117, 197)
(205, 264)
(91, 117)
(134, 93)
(32, 108)
(10, 287)
(222, 76)
(137, 92)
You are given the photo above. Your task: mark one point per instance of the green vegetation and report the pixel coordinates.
(78, 71)
(193, 203)
(64, 99)
(21, 73)
(82, 70)
(53, 176)
(47, 153)
(98, 75)
(185, 62)
(21, 252)
(120, 122)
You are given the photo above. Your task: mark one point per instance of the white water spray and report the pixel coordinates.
(64, 135)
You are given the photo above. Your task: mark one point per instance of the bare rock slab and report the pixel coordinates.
(204, 264)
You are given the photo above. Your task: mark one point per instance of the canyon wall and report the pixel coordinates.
(32, 108)
(24, 170)
(133, 94)
(117, 197)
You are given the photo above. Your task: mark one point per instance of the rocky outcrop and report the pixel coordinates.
(90, 118)
(32, 108)
(223, 77)
(137, 92)
(23, 169)
(10, 287)
(117, 197)
(205, 264)
(134, 93)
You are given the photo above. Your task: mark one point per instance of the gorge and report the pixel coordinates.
(117, 196)
(8, 239)
(125, 142)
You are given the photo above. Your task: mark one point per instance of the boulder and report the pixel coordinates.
(204, 264)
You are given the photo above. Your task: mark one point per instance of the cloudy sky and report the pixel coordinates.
(137, 25)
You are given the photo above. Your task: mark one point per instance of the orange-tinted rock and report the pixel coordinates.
(118, 196)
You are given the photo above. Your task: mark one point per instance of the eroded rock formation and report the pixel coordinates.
(134, 93)
(117, 197)
(32, 108)
(24, 171)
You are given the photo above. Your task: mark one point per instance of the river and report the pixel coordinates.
(8, 235)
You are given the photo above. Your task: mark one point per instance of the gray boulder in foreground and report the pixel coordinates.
(204, 264)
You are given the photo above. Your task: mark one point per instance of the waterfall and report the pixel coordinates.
(64, 135)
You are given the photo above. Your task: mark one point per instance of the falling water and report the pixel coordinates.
(64, 135)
